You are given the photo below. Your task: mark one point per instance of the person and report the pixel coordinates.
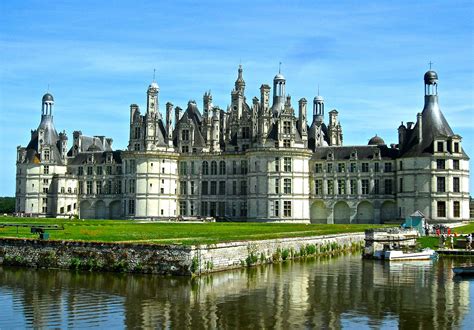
(443, 240)
(469, 242)
(451, 241)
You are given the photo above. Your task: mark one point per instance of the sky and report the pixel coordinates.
(97, 57)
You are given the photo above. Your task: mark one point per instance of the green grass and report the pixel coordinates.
(465, 229)
(172, 233)
(433, 242)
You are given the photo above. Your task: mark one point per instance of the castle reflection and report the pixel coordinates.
(328, 293)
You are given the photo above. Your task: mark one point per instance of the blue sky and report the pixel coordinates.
(368, 57)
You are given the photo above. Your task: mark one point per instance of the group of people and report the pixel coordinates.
(447, 240)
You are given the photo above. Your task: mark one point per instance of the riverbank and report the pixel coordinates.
(187, 260)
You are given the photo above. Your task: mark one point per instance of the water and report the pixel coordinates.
(340, 292)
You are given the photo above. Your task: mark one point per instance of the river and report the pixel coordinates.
(340, 292)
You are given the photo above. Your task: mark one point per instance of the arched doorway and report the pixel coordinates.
(365, 213)
(100, 210)
(115, 210)
(319, 212)
(388, 211)
(342, 213)
(86, 210)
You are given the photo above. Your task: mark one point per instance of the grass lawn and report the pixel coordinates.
(171, 233)
(433, 242)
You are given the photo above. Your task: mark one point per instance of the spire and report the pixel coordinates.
(240, 82)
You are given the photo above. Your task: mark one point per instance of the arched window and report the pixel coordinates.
(205, 168)
(213, 167)
(222, 167)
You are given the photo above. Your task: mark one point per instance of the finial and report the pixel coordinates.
(279, 67)
(154, 72)
(430, 63)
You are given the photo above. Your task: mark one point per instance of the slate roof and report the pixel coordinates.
(363, 152)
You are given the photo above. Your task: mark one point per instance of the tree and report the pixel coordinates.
(7, 204)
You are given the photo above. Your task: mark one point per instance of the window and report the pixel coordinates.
(184, 149)
(69, 190)
(441, 208)
(131, 186)
(318, 168)
(192, 188)
(234, 167)
(245, 132)
(118, 170)
(213, 188)
(89, 187)
(221, 208)
(81, 187)
(388, 186)
(455, 164)
(118, 187)
(89, 170)
(277, 164)
(46, 169)
(365, 167)
(388, 167)
(287, 164)
(205, 168)
(80, 171)
(287, 127)
(221, 187)
(377, 167)
(353, 167)
(441, 184)
(222, 167)
(353, 187)
(46, 155)
(136, 132)
(456, 209)
(440, 146)
(287, 186)
(341, 167)
(185, 135)
(108, 170)
(400, 185)
(63, 190)
(109, 187)
(287, 208)
(234, 187)
(330, 187)
(204, 208)
(243, 167)
(440, 164)
(193, 171)
(365, 187)
(243, 187)
(183, 168)
(243, 209)
(318, 187)
(137, 147)
(213, 167)
(182, 207)
(341, 187)
(183, 188)
(456, 148)
(131, 206)
(204, 188)
(191, 208)
(276, 209)
(45, 181)
(277, 186)
(99, 170)
(400, 165)
(329, 168)
(286, 143)
(456, 186)
(376, 186)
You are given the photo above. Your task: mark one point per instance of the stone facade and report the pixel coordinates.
(250, 162)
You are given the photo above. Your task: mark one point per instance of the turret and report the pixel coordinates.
(169, 123)
(402, 131)
(207, 104)
(318, 109)
(278, 93)
(240, 83)
(152, 98)
(63, 145)
(302, 122)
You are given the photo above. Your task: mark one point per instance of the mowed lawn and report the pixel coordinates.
(170, 233)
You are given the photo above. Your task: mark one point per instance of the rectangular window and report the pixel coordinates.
(243, 209)
(330, 187)
(388, 186)
(277, 164)
(440, 164)
(287, 164)
(99, 170)
(376, 186)
(287, 208)
(118, 187)
(243, 167)
(46, 169)
(441, 208)
(182, 207)
(286, 143)
(131, 206)
(277, 186)
(89, 187)
(243, 187)
(222, 167)
(246, 132)
(192, 188)
(221, 188)
(440, 146)
(193, 170)
(183, 168)
(365, 187)
(185, 149)
(213, 187)
(183, 188)
(318, 168)
(318, 187)
(204, 188)
(89, 170)
(287, 127)
(456, 186)
(456, 147)
(365, 167)
(109, 187)
(287, 186)
(80, 171)
(276, 209)
(191, 208)
(341, 187)
(353, 187)
(234, 167)
(400, 185)
(329, 168)
(400, 165)
(455, 164)
(204, 210)
(81, 187)
(108, 170)
(456, 209)
(353, 167)
(387, 167)
(441, 184)
(376, 167)
(341, 167)
(185, 135)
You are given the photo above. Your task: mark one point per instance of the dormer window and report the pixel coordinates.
(46, 155)
(185, 135)
(245, 132)
(456, 147)
(440, 146)
(287, 127)
(330, 156)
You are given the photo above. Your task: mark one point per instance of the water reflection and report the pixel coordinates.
(334, 293)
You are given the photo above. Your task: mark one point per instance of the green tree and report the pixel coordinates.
(7, 204)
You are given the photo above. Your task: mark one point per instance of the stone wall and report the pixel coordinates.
(168, 259)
